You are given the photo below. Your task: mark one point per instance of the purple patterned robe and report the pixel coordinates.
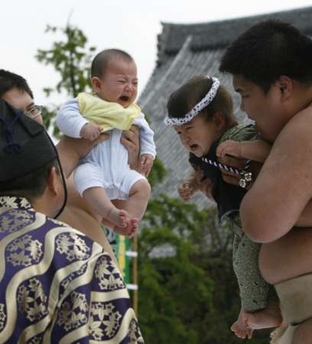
(57, 285)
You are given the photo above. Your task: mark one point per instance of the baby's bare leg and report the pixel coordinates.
(265, 318)
(102, 205)
(138, 199)
(247, 322)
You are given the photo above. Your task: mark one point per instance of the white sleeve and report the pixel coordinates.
(147, 144)
(69, 119)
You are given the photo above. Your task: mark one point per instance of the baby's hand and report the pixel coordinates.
(90, 131)
(186, 191)
(146, 163)
(229, 147)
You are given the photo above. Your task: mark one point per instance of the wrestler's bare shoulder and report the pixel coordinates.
(295, 139)
(301, 121)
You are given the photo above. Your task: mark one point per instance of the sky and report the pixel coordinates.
(129, 25)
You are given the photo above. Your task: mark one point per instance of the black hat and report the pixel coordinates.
(24, 144)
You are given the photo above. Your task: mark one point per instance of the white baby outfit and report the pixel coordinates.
(106, 165)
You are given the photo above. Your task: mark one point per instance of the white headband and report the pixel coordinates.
(169, 121)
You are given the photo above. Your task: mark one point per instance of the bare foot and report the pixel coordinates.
(118, 217)
(266, 318)
(240, 327)
(133, 227)
(129, 229)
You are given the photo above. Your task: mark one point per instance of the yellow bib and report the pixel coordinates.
(107, 115)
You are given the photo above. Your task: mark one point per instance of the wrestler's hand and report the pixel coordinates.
(146, 164)
(229, 147)
(233, 178)
(72, 150)
(131, 140)
(230, 177)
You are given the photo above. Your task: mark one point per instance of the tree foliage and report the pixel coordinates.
(188, 294)
(71, 57)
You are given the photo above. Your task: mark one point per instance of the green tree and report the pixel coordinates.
(71, 58)
(175, 292)
(189, 294)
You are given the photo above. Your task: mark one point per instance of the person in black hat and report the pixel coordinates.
(56, 283)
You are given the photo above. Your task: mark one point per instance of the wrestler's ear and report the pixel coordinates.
(54, 181)
(96, 84)
(285, 85)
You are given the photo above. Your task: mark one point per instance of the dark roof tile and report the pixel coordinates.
(219, 34)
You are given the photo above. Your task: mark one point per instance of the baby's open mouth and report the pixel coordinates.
(193, 147)
(124, 98)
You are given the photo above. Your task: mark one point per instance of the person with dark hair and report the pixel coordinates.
(272, 72)
(10, 81)
(104, 178)
(15, 90)
(101, 61)
(52, 285)
(201, 112)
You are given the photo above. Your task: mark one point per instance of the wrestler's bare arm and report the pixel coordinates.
(283, 187)
(257, 150)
